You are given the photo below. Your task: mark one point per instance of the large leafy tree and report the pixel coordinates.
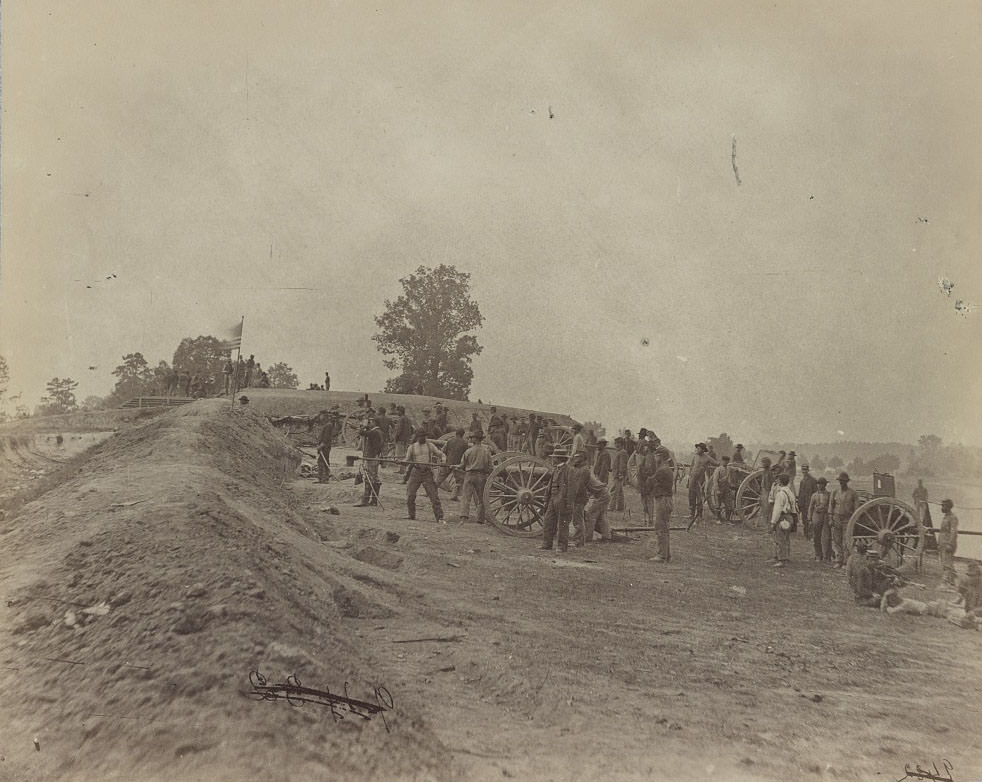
(133, 377)
(204, 357)
(423, 334)
(282, 376)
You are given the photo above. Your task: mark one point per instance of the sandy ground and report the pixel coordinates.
(204, 557)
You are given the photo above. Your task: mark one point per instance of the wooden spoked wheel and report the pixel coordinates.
(748, 498)
(515, 495)
(891, 522)
(497, 457)
(352, 425)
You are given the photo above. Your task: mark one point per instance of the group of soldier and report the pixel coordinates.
(586, 479)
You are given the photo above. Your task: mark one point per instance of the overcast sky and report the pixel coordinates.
(290, 161)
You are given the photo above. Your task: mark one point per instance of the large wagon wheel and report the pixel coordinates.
(515, 495)
(747, 504)
(351, 428)
(890, 515)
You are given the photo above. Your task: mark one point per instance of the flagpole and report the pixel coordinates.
(238, 355)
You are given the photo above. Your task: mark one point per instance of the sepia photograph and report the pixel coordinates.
(477, 391)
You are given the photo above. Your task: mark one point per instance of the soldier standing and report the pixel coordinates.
(818, 514)
(701, 462)
(620, 475)
(422, 455)
(476, 465)
(841, 507)
(453, 451)
(403, 434)
(533, 433)
(724, 493)
(556, 518)
(227, 372)
(601, 463)
(782, 519)
(324, 443)
(948, 541)
(371, 451)
(661, 483)
(250, 365)
(738, 454)
(806, 488)
(577, 481)
(327, 381)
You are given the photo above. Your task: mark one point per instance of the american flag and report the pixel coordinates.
(233, 337)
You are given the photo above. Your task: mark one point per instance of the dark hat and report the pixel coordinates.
(477, 435)
(601, 440)
(792, 453)
(739, 446)
(244, 399)
(701, 446)
(804, 466)
(823, 480)
(843, 476)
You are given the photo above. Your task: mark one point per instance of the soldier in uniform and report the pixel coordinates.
(660, 485)
(453, 451)
(619, 472)
(738, 454)
(371, 452)
(324, 443)
(476, 466)
(841, 507)
(556, 517)
(818, 515)
(806, 488)
(601, 462)
(577, 482)
(948, 541)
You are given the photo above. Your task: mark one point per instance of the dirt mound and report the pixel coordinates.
(279, 402)
(143, 589)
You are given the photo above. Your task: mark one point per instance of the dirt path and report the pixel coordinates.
(601, 664)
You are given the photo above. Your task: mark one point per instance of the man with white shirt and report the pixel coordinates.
(783, 519)
(422, 455)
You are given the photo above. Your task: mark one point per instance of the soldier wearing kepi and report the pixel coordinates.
(948, 542)
(841, 507)
(738, 454)
(421, 456)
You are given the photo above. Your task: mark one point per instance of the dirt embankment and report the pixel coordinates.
(141, 591)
